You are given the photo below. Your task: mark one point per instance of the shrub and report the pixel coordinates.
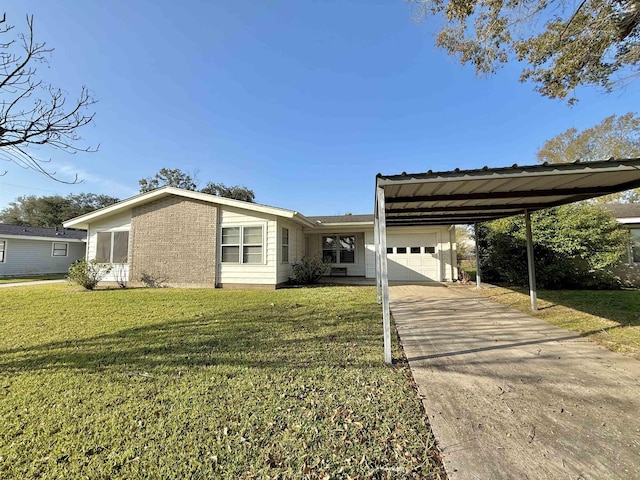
(574, 246)
(309, 270)
(87, 274)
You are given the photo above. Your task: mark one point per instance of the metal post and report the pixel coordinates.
(376, 245)
(530, 262)
(475, 231)
(384, 277)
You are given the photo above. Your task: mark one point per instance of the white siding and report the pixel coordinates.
(259, 274)
(120, 222)
(296, 249)
(33, 257)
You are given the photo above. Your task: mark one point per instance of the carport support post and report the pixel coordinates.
(376, 246)
(384, 277)
(532, 268)
(475, 233)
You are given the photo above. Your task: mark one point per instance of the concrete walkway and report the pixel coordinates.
(26, 284)
(511, 397)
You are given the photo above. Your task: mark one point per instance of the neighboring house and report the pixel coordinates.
(191, 238)
(38, 251)
(629, 215)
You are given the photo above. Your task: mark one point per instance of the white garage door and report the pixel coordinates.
(413, 257)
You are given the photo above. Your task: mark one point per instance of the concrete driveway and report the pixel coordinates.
(510, 396)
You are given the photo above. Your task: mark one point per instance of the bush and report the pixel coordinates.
(309, 270)
(87, 274)
(575, 246)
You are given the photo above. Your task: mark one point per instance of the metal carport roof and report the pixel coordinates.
(470, 196)
(473, 196)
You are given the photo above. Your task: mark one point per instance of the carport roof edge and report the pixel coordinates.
(477, 195)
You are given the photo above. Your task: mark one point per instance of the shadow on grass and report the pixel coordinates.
(207, 341)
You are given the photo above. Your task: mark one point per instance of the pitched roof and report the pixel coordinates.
(84, 220)
(331, 219)
(623, 210)
(44, 232)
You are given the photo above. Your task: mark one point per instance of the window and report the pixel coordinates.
(285, 245)
(248, 240)
(59, 249)
(429, 249)
(415, 250)
(112, 247)
(635, 245)
(339, 248)
(401, 250)
(389, 249)
(3, 251)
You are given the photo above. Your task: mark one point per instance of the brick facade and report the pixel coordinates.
(174, 239)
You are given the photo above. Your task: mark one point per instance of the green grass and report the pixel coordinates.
(171, 383)
(608, 317)
(35, 278)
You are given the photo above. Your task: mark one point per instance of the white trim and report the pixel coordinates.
(113, 231)
(4, 251)
(83, 220)
(44, 239)
(264, 226)
(628, 220)
(53, 249)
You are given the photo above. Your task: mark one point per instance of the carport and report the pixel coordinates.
(475, 196)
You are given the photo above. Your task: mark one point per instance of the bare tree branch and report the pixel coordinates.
(32, 112)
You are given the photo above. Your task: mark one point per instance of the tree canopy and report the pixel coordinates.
(51, 211)
(614, 137)
(33, 112)
(563, 44)
(174, 177)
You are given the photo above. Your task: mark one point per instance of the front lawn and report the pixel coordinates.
(609, 317)
(171, 383)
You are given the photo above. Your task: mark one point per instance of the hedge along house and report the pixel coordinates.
(187, 238)
(475, 196)
(28, 251)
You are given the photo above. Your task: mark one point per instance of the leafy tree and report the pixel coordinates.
(614, 137)
(174, 177)
(565, 44)
(51, 211)
(574, 247)
(236, 192)
(32, 112)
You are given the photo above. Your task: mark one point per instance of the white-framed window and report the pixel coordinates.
(112, 247)
(339, 248)
(242, 244)
(3, 251)
(634, 252)
(59, 249)
(285, 245)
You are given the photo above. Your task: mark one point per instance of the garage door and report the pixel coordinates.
(413, 257)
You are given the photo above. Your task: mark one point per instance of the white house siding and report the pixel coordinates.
(296, 249)
(33, 257)
(116, 223)
(246, 274)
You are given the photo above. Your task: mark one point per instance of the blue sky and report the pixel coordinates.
(302, 101)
